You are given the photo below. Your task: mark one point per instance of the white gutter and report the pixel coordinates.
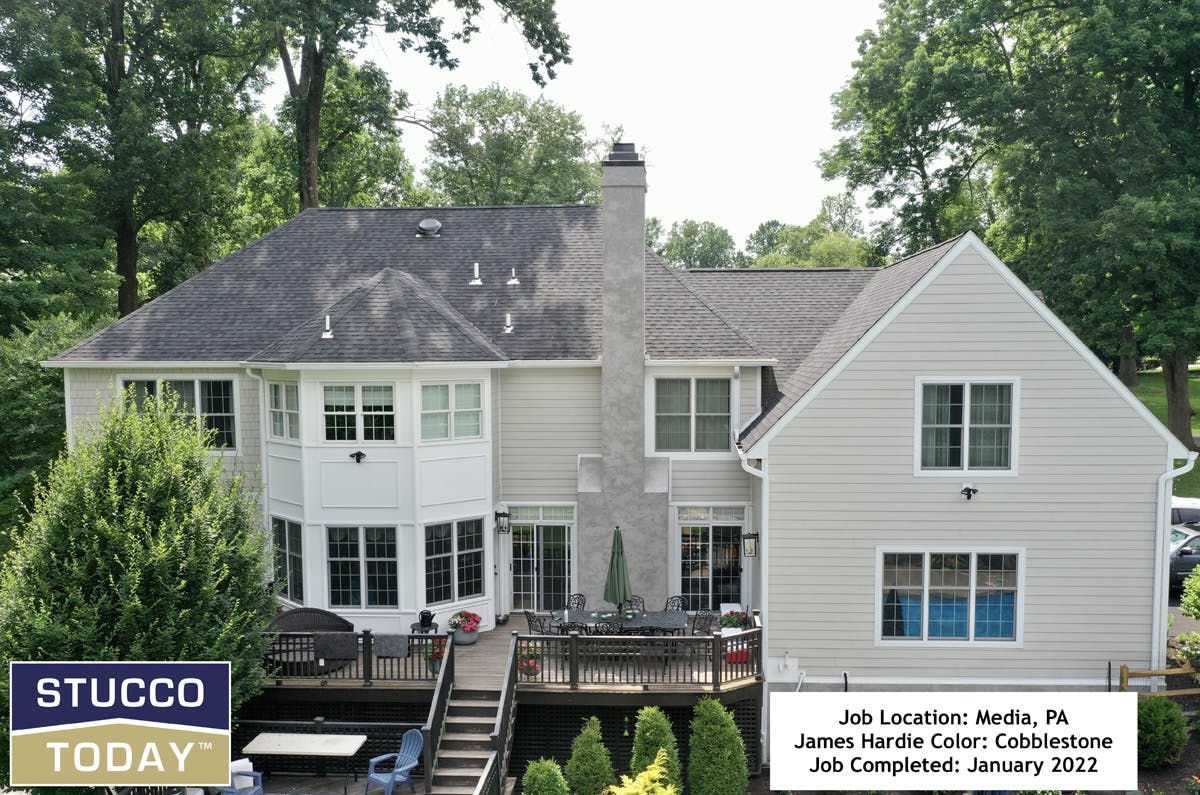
(1158, 640)
(262, 449)
(763, 534)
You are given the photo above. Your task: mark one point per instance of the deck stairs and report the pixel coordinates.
(466, 741)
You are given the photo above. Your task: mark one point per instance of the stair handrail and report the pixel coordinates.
(435, 723)
(495, 770)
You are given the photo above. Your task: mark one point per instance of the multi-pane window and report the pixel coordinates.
(692, 415)
(365, 412)
(710, 555)
(289, 558)
(210, 401)
(285, 411)
(975, 418)
(453, 560)
(451, 411)
(949, 596)
(362, 566)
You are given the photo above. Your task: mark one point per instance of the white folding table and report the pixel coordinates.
(331, 745)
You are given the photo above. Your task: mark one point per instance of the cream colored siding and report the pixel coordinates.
(92, 388)
(708, 482)
(1082, 504)
(548, 417)
(750, 388)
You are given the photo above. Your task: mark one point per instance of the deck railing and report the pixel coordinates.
(352, 656)
(435, 724)
(708, 662)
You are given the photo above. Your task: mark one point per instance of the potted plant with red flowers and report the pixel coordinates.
(733, 623)
(466, 627)
(434, 653)
(529, 661)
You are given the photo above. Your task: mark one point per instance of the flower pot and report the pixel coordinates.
(738, 656)
(465, 638)
(530, 671)
(434, 666)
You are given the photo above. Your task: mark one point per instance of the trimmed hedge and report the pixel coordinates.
(590, 769)
(544, 777)
(654, 732)
(717, 756)
(1162, 732)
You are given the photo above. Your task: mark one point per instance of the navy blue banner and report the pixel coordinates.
(63, 693)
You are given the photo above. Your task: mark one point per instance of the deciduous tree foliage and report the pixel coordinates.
(138, 100)
(1082, 118)
(497, 147)
(139, 548)
(833, 239)
(699, 244)
(312, 37)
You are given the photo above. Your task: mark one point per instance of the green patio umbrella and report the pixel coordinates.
(616, 586)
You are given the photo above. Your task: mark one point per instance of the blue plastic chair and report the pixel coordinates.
(411, 746)
(238, 771)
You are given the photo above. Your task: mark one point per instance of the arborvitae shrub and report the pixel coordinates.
(544, 777)
(1162, 732)
(717, 755)
(590, 770)
(654, 732)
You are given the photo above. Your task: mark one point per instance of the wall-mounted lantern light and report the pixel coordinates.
(502, 518)
(358, 456)
(750, 545)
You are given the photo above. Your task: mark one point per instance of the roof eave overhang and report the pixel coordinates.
(743, 362)
(126, 364)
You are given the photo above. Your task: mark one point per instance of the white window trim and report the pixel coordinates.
(456, 597)
(362, 567)
(1018, 641)
(159, 377)
(651, 391)
(303, 562)
(1014, 436)
(451, 439)
(573, 573)
(358, 417)
(299, 418)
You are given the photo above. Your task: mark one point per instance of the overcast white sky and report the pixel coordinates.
(728, 101)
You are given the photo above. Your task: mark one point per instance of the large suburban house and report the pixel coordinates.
(917, 473)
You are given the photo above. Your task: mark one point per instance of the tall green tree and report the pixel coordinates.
(312, 37)
(361, 161)
(141, 101)
(139, 547)
(1068, 131)
(699, 244)
(833, 239)
(496, 147)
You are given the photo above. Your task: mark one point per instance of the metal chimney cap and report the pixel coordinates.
(623, 154)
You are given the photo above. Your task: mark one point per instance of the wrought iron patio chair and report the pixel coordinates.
(538, 625)
(567, 627)
(635, 603)
(702, 622)
(676, 602)
(607, 628)
(411, 745)
(577, 601)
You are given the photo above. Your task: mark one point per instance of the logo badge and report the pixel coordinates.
(119, 724)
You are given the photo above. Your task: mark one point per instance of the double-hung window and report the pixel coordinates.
(451, 411)
(453, 560)
(354, 412)
(692, 415)
(289, 558)
(952, 596)
(362, 566)
(966, 426)
(210, 401)
(285, 410)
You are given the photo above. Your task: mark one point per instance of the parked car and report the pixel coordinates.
(1185, 510)
(1185, 553)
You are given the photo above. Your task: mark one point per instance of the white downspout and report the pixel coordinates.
(1158, 640)
(764, 513)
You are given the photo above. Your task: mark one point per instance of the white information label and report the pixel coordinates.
(954, 741)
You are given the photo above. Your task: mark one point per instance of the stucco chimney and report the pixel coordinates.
(623, 182)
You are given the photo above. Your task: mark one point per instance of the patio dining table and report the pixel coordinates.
(665, 621)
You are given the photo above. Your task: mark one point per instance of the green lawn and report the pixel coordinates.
(1150, 390)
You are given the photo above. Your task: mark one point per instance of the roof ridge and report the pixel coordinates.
(362, 288)
(677, 274)
(907, 257)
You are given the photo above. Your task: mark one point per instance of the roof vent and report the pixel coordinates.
(513, 279)
(508, 324)
(476, 281)
(327, 334)
(429, 227)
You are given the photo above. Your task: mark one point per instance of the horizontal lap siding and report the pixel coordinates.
(708, 482)
(1082, 505)
(548, 417)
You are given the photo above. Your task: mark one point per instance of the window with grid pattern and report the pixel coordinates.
(973, 417)
(366, 412)
(362, 566)
(378, 414)
(285, 411)
(214, 410)
(453, 560)
(949, 596)
(692, 415)
(341, 414)
(289, 558)
(345, 579)
(451, 411)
